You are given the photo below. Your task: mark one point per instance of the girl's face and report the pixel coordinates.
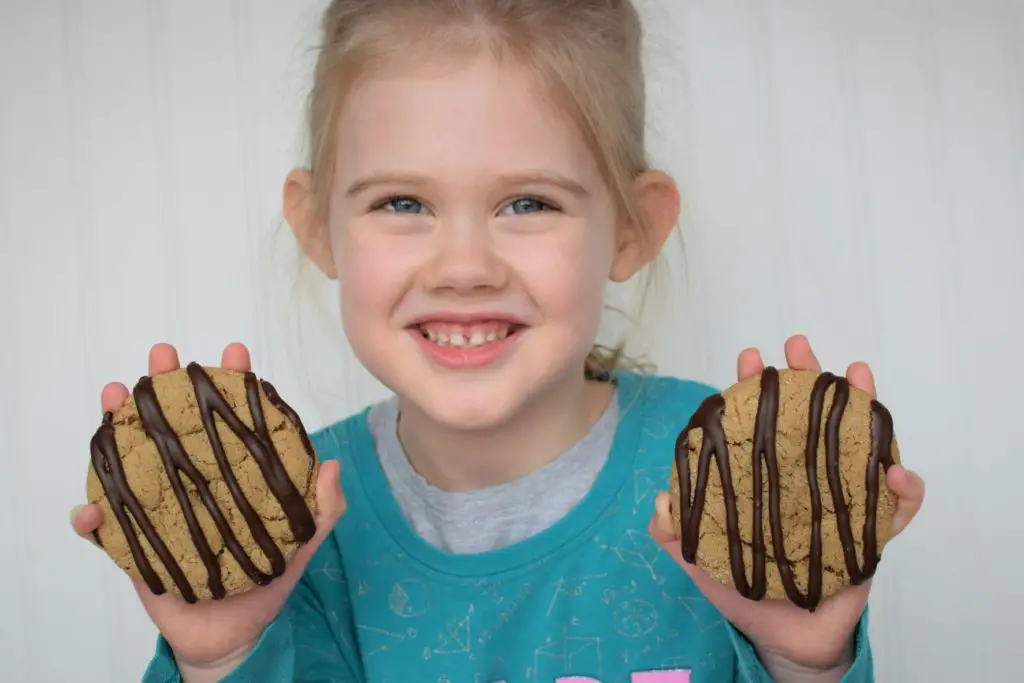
(472, 235)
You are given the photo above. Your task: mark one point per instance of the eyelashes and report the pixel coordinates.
(528, 204)
(400, 204)
(518, 206)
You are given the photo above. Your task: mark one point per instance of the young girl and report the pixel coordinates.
(477, 176)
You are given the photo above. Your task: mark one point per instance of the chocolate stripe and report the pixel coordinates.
(764, 451)
(286, 410)
(881, 454)
(107, 463)
(176, 462)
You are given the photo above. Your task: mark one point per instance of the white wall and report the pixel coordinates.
(853, 170)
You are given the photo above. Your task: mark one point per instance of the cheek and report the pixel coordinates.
(567, 277)
(371, 277)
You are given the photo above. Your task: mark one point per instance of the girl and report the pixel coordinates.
(477, 176)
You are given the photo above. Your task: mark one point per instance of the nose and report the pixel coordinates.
(465, 260)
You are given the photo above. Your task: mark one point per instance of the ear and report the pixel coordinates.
(657, 201)
(299, 210)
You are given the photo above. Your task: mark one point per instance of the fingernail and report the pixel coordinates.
(75, 510)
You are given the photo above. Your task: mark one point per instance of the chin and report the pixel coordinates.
(473, 411)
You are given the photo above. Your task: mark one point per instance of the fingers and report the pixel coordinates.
(236, 357)
(749, 364)
(113, 396)
(163, 358)
(85, 519)
(861, 377)
(909, 489)
(799, 355)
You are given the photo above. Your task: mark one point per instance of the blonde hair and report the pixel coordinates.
(587, 53)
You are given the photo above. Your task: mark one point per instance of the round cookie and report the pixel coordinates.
(206, 479)
(765, 524)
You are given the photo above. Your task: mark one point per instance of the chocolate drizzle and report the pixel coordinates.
(708, 418)
(126, 506)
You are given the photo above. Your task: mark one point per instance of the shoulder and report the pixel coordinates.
(662, 395)
(657, 407)
(341, 439)
(672, 389)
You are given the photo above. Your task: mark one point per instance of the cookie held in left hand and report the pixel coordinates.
(206, 479)
(778, 486)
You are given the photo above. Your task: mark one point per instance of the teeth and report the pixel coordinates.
(463, 339)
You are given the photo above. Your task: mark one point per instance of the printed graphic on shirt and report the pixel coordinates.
(636, 619)
(608, 605)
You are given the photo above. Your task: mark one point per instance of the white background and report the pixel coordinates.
(852, 170)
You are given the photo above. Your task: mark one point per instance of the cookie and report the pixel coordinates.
(779, 486)
(206, 479)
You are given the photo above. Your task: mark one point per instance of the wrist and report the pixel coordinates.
(211, 672)
(785, 670)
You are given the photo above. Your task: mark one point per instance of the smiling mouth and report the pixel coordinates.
(476, 335)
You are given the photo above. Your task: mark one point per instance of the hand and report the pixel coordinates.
(818, 639)
(212, 630)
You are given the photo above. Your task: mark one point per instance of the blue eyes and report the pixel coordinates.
(402, 205)
(527, 205)
(518, 206)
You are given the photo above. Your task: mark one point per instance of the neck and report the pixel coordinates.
(458, 460)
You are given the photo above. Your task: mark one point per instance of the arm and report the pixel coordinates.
(785, 671)
(759, 666)
(214, 671)
(306, 643)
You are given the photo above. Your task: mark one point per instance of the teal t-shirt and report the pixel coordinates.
(592, 599)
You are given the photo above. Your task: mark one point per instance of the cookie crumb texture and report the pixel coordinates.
(731, 418)
(210, 517)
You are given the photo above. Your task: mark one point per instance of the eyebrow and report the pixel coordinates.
(515, 179)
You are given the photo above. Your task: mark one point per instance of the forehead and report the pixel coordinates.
(472, 117)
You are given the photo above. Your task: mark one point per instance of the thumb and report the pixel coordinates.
(662, 531)
(661, 527)
(331, 506)
(331, 502)
(668, 542)
(663, 538)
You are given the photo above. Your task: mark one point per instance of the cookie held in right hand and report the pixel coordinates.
(778, 486)
(207, 483)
